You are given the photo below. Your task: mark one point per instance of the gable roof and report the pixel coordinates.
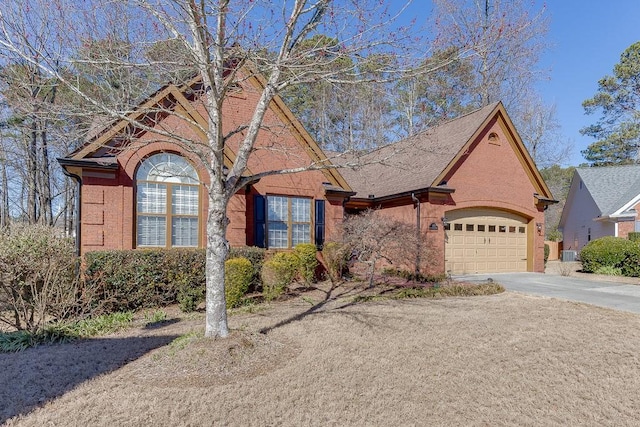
(611, 187)
(177, 98)
(423, 160)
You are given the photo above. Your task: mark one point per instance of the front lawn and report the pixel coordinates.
(333, 357)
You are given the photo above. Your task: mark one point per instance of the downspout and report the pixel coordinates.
(78, 207)
(418, 240)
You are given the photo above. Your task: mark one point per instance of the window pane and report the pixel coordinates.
(277, 208)
(301, 210)
(278, 236)
(152, 198)
(184, 232)
(301, 233)
(184, 200)
(152, 230)
(167, 167)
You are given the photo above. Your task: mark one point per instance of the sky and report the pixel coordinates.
(587, 40)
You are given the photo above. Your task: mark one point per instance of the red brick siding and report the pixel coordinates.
(108, 206)
(488, 175)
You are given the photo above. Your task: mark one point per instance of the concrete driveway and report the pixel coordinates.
(619, 296)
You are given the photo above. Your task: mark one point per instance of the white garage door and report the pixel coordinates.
(485, 241)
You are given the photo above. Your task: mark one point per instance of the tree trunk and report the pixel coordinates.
(46, 208)
(4, 187)
(32, 175)
(216, 255)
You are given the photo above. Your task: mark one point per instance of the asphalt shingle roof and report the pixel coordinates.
(415, 162)
(611, 186)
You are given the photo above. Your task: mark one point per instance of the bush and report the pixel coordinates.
(189, 298)
(278, 273)
(336, 259)
(308, 262)
(547, 251)
(38, 277)
(554, 235)
(614, 252)
(413, 276)
(256, 257)
(134, 279)
(237, 278)
(609, 271)
(634, 236)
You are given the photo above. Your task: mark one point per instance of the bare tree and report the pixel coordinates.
(223, 42)
(538, 126)
(506, 37)
(373, 237)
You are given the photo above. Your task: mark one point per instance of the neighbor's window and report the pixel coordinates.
(288, 221)
(168, 201)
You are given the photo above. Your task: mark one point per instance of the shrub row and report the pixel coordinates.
(134, 279)
(612, 254)
(130, 280)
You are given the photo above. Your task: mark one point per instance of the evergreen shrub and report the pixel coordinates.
(308, 262)
(237, 279)
(611, 252)
(256, 256)
(278, 272)
(133, 279)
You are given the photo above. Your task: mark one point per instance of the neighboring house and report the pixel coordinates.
(602, 201)
(478, 196)
(471, 186)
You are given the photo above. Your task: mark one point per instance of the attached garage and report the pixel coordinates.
(471, 189)
(485, 241)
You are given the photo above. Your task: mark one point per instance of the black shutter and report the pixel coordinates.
(259, 219)
(319, 224)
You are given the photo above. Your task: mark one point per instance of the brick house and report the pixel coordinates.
(471, 187)
(602, 201)
(469, 184)
(141, 189)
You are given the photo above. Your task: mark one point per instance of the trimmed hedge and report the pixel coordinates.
(611, 252)
(134, 279)
(634, 236)
(307, 261)
(278, 272)
(256, 257)
(237, 278)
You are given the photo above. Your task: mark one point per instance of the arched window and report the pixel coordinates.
(168, 202)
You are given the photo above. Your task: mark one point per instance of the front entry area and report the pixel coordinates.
(485, 241)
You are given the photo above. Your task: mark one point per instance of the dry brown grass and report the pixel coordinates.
(504, 359)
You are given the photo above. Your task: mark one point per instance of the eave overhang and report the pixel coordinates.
(105, 163)
(544, 201)
(422, 194)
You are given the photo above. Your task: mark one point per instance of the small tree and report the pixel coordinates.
(373, 237)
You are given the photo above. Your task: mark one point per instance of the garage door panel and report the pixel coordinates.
(478, 241)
